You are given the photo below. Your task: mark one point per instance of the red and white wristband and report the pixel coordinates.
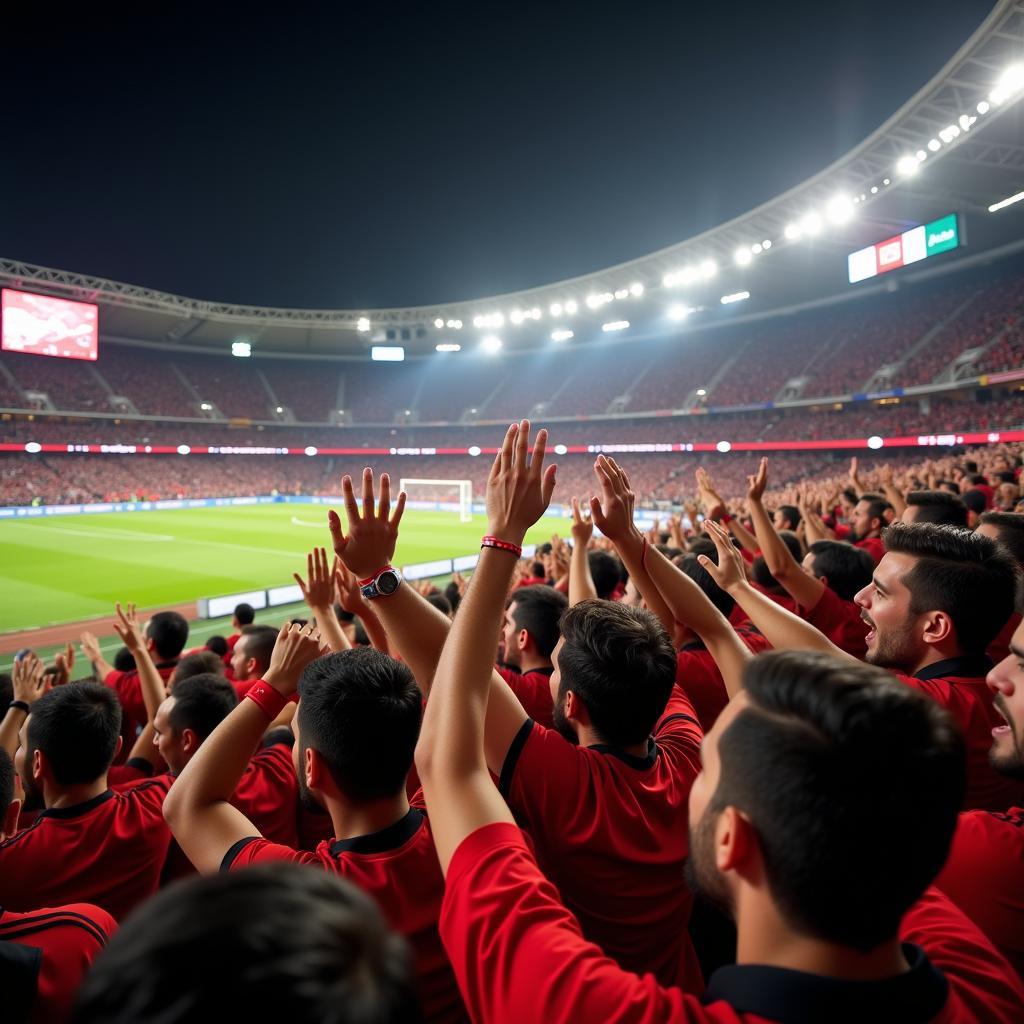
(267, 699)
(502, 545)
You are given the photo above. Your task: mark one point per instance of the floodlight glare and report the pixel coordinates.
(478, 321)
(1010, 82)
(535, 313)
(571, 307)
(677, 311)
(438, 322)
(982, 107)
(621, 293)
(907, 166)
(363, 324)
(555, 309)
(561, 334)
(636, 289)
(766, 244)
(874, 190)
(702, 392)
(615, 325)
(875, 442)
(793, 232)
(491, 344)
(743, 256)
(724, 446)
(810, 223)
(839, 209)
(593, 301)
(1008, 201)
(728, 300)
(516, 316)
(447, 346)
(708, 269)
(757, 248)
(242, 349)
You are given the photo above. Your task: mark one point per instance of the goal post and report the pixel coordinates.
(465, 490)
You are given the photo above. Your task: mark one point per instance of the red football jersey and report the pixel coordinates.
(133, 707)
(108, 851)
(533, 689)
(610, 831)
(958, 684)
(874, 546)
(398, 867)
(840, 621)
(519, 955)
(984, 877)
(44, 956)
(135, 769)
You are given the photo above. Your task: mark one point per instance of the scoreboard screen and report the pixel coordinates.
(901, 250)
(45, 326)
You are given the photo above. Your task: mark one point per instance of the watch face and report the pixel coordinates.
(387, 582)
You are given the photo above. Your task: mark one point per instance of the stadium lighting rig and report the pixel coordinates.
(492, 344)
(562, 334)
(241, 349)
(363, 324)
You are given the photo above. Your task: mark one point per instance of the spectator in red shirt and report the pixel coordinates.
(243, 615)
(44, 953)
(529, 635)
(90, 843)
(936, 601)
(356, 728)
(1007, 529)
(250, 656)
(819, 922)
(983, 875)
(867, 522)
(166, 634)
(273, 943)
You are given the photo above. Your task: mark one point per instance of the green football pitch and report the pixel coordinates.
(67, 568)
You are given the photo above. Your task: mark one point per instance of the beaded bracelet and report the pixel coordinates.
(267, 699)
(501, 545)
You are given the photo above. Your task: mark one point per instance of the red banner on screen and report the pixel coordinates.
(44, 326)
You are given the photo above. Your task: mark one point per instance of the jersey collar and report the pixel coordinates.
(641, 764)
(796, 997)
(76, 810)
(389, 838)
(965, 666)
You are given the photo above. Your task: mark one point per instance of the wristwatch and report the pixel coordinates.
(383, 584)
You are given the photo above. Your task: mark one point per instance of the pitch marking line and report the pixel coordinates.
(112, 534)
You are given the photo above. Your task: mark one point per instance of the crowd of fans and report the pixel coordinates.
(759, 761)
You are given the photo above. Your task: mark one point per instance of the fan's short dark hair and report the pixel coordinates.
(77, 727)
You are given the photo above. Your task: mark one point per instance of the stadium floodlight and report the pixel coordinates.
(921, 156)
(727, 300)
(363, 324)
(455, 325)
(387, 353)
(934, 145)
(621, 293)
(478, 321)
(516, 316)
(793, 232)
(757, 248)
(535, 313)
(593, 300)
(708, 269)
(279, 408)
(438, 323)
(555, 309)
(636, 289)
(1010, 81)
(839, 209)
(810, 223)
(965, 121)
(702, 392)
(874, 190)
(205, 406)
(982, 107)
(614, 325)
(886, 181)
(491, 344)
(241, 349)
(907, 166)
(742, 256)
(448, 346)
(571, 307)
(1008, 201)
(766, 244)
(677, 311)
(562, 334)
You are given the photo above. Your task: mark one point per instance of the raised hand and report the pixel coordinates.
(63, 663)
(519, 487)
(582, 525)
(730, 572)
(612, 512)
(126, 626)
(371, 539)
(350, 597)
(758, 482)
(714, 506)
(460, 582)
(318, 592)
(29, 681)
(90, 646)
(296, 647)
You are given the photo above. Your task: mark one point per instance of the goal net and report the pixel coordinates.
(430, 489)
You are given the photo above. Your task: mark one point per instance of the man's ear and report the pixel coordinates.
(117, 747)
(522, 639)
(937, 627)
(189, 741)
(9, 825)
(735, 841)
(575, 709)
(318, 777)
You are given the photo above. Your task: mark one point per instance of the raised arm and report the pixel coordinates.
(683, 600)
(814, 524)
(350, 597)
(581, 582)
(782, 628)
(804, 588)
(91, 649)
(892, 492)
(29, 685)
(714, 509)
(151, 684)
(318, 593)
(450, 756)
(196, 807)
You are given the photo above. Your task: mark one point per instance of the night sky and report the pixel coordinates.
(385, 154)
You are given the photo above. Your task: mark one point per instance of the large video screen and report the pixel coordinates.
(44, 326)
(916, 244)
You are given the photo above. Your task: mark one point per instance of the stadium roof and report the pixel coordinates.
(955, 146)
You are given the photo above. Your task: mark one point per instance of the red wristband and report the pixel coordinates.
(501, 545)
(370, 579)
(267, 699)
